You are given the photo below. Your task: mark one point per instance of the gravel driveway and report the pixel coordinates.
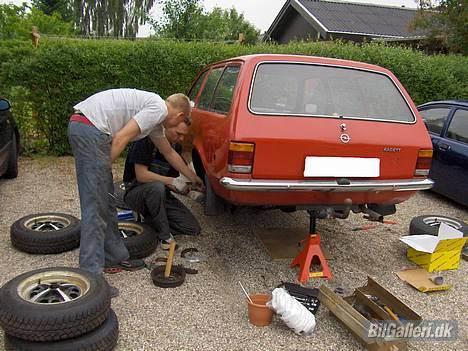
(209, 312)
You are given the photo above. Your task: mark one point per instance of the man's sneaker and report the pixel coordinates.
(127, 265)
(166, 244)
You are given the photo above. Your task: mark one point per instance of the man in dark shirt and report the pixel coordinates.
(149, 181)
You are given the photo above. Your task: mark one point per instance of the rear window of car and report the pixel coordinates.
(326, 91)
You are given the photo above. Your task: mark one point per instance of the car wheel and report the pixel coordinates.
(103, 338)
(214, 205)
(53, 304)
(46, 233)
(12, 170)
(430, 224)
(139, 238)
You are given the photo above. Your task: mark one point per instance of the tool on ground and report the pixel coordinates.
(311, 251)
(192, 255)
(168, 276)
(245, 292)
(437, 280)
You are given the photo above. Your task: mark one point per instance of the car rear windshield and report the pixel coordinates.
(329, 91)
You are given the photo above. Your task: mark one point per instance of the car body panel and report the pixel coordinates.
(450, 161)
(282, 142)
(8, 133)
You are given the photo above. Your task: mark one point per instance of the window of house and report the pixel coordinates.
(206, 96)
(222, 99)
(458, 128)
(435, 118)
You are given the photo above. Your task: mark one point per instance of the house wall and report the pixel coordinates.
(295, 28)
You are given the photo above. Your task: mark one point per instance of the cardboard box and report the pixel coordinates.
(343, 310)
(436, 253)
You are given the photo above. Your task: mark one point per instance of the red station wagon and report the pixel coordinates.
(301, 132)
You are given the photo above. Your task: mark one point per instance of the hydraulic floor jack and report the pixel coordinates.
(311, 253)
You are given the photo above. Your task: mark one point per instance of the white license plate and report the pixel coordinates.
(341, 167)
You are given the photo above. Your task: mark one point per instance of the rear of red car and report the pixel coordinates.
(322, 132)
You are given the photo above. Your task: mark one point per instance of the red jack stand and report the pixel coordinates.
(311, 251)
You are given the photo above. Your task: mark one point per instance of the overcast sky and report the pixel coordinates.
(260, 13)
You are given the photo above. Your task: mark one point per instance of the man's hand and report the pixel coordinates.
(197, 183)
(175, 187)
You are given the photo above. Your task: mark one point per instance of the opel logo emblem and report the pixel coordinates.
(345, 138)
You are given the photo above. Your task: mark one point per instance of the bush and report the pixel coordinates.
(45, 83)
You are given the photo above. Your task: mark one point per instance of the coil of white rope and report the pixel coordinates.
(292, 312)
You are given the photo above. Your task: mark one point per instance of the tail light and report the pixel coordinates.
(240, 159)
(423, 163)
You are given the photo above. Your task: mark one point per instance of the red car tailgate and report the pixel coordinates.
(283, 143)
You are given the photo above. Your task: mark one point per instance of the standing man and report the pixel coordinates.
(98, 132)
(148, 188)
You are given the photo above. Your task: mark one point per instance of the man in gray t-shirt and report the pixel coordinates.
(98, 132)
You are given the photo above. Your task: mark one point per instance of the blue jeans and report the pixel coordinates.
(100, 243)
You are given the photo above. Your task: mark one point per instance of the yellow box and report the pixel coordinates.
(446, 255)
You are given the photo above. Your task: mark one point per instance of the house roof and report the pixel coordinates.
(353, 18)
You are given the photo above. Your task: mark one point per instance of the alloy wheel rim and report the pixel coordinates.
(53, 287)
(47, 223)
(434, 221)
(128, 230)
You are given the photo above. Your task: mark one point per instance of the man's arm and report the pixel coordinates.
(176, 160)
(123, 137)
(143, 175)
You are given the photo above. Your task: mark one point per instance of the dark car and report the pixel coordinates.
(9, 142)
(447, 123)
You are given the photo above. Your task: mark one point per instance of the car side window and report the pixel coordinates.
(206, 96)
(458, 128)
(222, 99)
(435, 118)
(196, 87)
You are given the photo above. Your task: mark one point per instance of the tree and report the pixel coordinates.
(16, 22)
(187, 19)
(62, 7)
(181, 19)
(117, 18)
(446, 21)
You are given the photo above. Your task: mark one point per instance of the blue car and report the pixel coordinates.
(447, 123)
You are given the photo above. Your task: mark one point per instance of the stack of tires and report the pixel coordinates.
(53, 233)
(58, 309)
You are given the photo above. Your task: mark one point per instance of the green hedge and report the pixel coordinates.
(45, 83)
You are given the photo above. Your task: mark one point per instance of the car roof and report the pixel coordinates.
(463, 103)
(302, 58)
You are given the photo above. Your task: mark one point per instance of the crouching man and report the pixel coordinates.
(149, 187)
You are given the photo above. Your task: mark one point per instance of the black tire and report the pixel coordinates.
(12, 170)
(49, 317)
(104, 338)
(214, 205)
(429, 224)
(175, 279)
(60, 232)
(140, 239)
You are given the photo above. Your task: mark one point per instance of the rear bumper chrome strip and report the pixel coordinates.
(326, 185)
